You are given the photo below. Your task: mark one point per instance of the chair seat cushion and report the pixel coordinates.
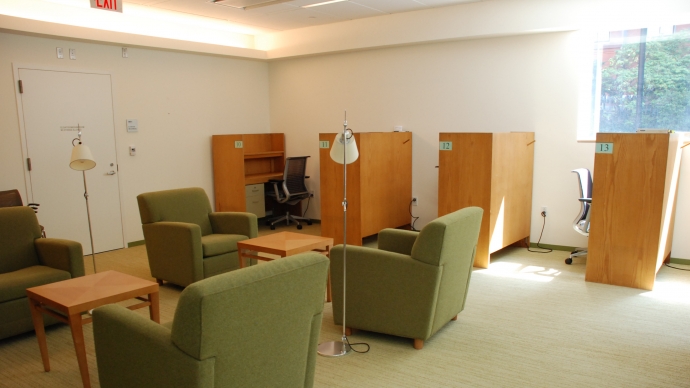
(13, 285)
(218, 244)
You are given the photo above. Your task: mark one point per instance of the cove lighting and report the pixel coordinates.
(323, 3)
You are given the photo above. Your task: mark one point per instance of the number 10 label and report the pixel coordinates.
(604, 148)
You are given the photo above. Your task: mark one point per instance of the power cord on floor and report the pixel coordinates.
(357, 343)
(545, 250)
(304, 213)
(415, 218)
(682, 269)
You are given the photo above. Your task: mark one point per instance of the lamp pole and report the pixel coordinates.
(341, 348)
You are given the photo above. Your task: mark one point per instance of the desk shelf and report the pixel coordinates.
(261, 178)
(263, 155)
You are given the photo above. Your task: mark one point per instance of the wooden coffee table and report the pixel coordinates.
(68, 299)
(285, 244)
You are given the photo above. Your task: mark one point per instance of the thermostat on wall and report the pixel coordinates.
(132, 125)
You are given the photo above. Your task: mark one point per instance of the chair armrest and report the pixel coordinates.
(245, 224)
(66, 255)
(133, 351)
(385, 288)
(397, 240)
(174, 251)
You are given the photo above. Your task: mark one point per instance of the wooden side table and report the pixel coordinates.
(68, 299)
(285, 244)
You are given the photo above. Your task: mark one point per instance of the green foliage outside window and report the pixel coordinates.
(666, 89)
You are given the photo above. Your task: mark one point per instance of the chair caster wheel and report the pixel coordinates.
(569, 261)
(299, 227)
(273, 227)
(308, 222)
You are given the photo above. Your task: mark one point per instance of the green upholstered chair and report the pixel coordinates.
(257, 327)
(27, 260)
(185, 240)
(414, 284)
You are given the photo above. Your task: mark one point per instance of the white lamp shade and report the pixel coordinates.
(340, 148)
(81, 158)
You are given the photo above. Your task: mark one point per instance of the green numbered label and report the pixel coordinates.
(446, 146)
(324, 144)
(604, 148)
(238, 144)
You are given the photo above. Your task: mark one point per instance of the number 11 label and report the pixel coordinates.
(604, 148)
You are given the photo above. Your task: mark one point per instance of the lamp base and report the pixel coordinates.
(333, 349)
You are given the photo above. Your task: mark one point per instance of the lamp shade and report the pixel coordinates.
(340, 148)
(81, 158)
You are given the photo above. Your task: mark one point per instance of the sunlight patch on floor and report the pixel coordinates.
(518, 271)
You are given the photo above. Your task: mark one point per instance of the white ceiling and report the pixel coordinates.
(290, 15)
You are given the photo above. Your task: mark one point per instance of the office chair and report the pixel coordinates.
(581, 222)
(10, 198)
(291, 189)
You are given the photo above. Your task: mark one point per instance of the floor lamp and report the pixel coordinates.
(344, 151)
(82, 160)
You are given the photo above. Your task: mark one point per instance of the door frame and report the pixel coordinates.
(28, 188)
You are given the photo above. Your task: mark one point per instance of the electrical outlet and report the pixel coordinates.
(543, 210)
(414, 201)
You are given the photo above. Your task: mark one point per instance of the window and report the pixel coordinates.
(640, 79)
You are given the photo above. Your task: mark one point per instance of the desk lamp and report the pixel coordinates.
(344, 151)
(82, 160)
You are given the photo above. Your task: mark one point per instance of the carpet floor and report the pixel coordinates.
(530, 321)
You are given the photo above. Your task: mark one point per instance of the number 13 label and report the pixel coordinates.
(604, 148)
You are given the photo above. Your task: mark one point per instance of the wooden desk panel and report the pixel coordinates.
(492, 171)
(379, 186)
(633, 202)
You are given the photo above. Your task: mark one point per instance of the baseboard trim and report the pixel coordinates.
(135, 243)
(554, 247)
(675, 260)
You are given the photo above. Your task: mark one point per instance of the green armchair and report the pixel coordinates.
(414, 284)
(27, 260)
(258, 327)
(185, 240)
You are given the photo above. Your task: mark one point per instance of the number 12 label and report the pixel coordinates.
(604, 148)
(446, 146)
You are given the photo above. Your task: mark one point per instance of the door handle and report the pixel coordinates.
(111, 172)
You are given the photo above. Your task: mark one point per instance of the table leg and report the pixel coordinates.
(37, 317)
(154, 308)
(75, 324)
(329, 297)
(241, 256)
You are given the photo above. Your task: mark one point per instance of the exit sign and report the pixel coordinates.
(108, 5)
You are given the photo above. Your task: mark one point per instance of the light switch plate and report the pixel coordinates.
(60, 55)
(72, 53)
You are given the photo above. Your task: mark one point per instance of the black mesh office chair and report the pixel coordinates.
(290, 190)
(9, 198)
(581, 222)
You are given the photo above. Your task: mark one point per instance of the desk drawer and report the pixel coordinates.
(254, 190)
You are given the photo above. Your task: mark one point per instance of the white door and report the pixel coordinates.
(54, 104)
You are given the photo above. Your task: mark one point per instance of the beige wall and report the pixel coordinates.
(180, 100)
(524, 83)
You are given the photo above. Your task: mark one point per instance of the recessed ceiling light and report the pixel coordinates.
(322, 3)
(247, 4)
